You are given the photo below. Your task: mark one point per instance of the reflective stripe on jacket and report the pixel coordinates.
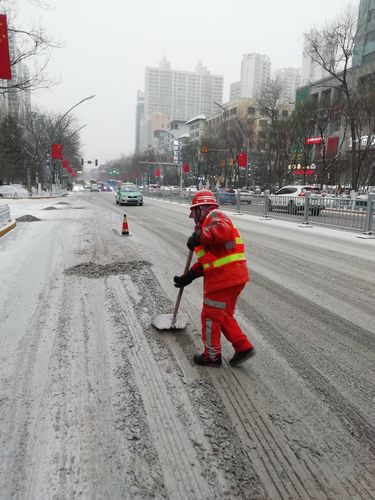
(221, 255)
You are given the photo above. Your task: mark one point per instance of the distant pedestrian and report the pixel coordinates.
(221, 261)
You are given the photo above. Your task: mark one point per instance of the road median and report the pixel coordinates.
(8, 227)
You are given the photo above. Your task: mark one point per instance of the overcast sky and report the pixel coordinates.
(108, 44)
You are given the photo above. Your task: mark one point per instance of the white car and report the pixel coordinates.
(292, 200)
(245, 196)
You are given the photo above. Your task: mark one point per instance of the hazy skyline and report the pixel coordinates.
(107, 46)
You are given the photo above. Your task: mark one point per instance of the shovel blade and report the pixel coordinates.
(164, 322)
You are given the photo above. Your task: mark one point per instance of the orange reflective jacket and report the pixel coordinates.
(221, 255)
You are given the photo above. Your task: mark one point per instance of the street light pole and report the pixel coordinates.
(52, 136)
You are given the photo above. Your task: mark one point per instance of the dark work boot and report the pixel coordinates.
(240, 357)
(204, 360)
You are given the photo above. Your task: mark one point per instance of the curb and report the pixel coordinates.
(11, 225)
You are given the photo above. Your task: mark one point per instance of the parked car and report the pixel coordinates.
(226, 196)
(245, 196)
(188, 192)
(13, 191)
(128, 194)
(292, 199)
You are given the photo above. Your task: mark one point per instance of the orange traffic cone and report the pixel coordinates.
(125, 227)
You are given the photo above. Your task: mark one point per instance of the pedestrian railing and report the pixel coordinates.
(4, 215)
(354, 214)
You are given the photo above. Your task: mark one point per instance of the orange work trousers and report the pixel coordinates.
(218, 316)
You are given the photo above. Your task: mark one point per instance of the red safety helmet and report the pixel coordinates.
(203, 197)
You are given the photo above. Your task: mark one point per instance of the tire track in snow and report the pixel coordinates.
(176, 452)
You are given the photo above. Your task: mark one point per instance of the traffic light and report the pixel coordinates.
(96, 163)
(82, 161)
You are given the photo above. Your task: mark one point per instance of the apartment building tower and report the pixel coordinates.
(310, 70)
(290, 79)
(255, 72)
(364, 49)
(180, 94)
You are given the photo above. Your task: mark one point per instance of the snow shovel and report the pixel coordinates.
(174, 321)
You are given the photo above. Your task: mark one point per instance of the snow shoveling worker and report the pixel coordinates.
(222, 263)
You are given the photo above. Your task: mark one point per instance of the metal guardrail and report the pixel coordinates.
(4, 215)
(353, 214)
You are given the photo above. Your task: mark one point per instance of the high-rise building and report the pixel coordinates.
(139, 113)
(290, 79)
(255, 72)
(180, 94)
(235, 91)
(364, 49)
(311, 71)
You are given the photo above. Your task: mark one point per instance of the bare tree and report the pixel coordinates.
(275, 140)
(43, 129)
(332, 49)
(12, 157)
(31, 45)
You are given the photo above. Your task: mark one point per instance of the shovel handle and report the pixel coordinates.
(187, 266)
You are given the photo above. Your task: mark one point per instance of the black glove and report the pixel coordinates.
(185, 279)
(193, 241)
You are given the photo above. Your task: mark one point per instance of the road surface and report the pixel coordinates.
(97, 404)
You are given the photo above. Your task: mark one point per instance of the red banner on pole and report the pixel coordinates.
(332, 146)
(185, 168)
(5, 71)
(242, 160)
(157, 172)
(65, 164)
(56, 152)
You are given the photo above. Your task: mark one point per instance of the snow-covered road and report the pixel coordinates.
(95, 403)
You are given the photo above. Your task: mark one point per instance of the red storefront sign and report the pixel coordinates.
(314, 140)
(303, 172)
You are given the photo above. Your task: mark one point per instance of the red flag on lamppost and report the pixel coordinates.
(56, 152)
(185, 168)
(157, 172)
(242, 160)
(5, 71)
